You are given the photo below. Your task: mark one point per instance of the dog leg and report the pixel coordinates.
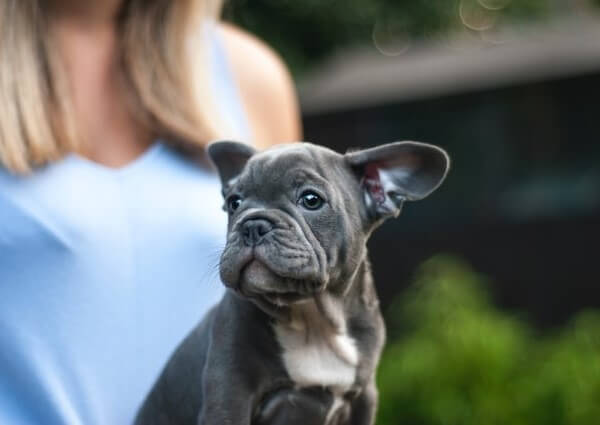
(364, 406)
(289, 406)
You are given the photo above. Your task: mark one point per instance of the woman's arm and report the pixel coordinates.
(266, 88)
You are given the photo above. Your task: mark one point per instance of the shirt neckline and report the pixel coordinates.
(127, 168)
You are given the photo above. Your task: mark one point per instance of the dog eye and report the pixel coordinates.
(310, 200)
(233, 203)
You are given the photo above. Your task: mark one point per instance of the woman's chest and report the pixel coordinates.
(132, 218)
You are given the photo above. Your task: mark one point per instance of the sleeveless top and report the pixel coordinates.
(102, 273)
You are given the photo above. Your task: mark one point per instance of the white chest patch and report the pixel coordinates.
(315, 355)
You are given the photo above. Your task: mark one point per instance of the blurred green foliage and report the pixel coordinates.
(306, 31)
(455, 359)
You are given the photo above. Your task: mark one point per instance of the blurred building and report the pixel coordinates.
(518, 112)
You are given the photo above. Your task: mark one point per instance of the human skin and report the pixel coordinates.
(87, 41)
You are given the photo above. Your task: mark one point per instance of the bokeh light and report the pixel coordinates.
(476, 17)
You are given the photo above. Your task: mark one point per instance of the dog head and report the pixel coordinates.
(300, 214)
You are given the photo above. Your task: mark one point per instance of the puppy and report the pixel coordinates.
(300, 313)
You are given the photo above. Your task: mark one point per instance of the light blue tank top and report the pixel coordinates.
(102, 273)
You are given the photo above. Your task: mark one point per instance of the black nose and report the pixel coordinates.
(254, 230)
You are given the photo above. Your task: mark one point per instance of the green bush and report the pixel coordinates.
(454, 359)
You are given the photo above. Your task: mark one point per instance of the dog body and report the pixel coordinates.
(300, 314)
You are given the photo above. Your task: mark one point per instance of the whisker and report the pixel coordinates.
(210, 274)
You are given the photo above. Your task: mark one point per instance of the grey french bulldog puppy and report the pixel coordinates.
(300, 323)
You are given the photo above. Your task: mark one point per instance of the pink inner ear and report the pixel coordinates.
(373, 183)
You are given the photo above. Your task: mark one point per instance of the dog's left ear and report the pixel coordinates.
(397, 172)
(230, 158)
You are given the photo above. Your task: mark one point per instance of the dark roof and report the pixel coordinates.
(364, 77)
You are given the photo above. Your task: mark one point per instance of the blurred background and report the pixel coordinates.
(490, 287)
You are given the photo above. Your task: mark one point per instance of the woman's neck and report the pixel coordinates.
(86, 13)
(107, 127)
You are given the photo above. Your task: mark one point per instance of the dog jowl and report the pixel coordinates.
(301, 312)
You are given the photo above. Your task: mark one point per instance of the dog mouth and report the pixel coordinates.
(285, 298)
(257, 280)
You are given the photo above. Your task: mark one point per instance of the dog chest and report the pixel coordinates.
(315, 355)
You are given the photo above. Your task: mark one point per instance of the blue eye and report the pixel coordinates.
(233, 203)
(311, 201)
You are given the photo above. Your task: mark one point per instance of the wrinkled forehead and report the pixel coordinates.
(289, 165)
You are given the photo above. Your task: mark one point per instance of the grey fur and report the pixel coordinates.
(281, 255)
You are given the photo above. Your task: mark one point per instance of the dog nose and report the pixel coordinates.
(254, 230)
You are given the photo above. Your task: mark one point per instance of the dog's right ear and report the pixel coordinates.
(230, 158)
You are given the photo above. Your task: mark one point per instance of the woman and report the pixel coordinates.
(110, 222)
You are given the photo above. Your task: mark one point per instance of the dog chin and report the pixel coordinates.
(257, 280)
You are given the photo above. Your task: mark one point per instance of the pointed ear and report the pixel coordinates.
(396, 172)
(230, 158)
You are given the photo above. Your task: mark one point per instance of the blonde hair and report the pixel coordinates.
(169, 85)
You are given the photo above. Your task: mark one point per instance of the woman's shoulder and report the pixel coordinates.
(266, 87)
